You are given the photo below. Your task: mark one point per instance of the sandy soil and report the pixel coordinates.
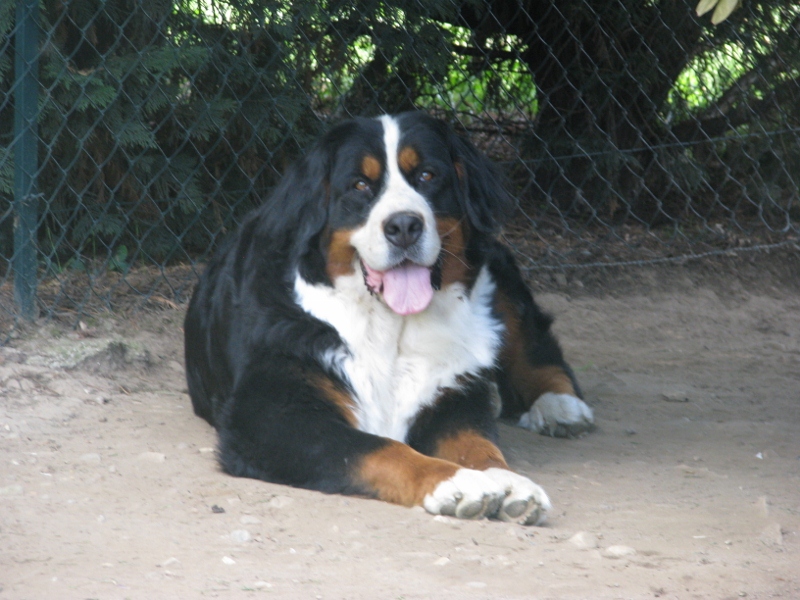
(689, 488)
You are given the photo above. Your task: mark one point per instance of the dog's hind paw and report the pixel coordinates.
(558, 415)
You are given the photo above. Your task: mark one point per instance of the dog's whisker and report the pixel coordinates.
(456, 256)
(453, 228)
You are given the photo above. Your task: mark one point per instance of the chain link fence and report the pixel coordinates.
(134, 134)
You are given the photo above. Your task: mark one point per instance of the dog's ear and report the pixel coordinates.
(298, 206)
(482, 187)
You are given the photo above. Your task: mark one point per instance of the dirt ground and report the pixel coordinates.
(689, 487)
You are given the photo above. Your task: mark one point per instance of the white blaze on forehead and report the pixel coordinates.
(391, 140)
(397, 196)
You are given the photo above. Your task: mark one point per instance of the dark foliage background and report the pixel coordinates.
(630, 130)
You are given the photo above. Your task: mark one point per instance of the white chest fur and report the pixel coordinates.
(397, 365)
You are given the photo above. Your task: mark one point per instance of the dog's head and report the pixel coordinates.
(398, 199)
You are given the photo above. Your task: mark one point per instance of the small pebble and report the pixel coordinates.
(455, 523)
(170, 561)
(772, 535)
(440, 562)
(11, 490)
(228, 560)
(280, 502)
(618, 551)
(675, 396)
(249, 520)
(584, 540)
(240, 536)
(154, 457)
(762, 506)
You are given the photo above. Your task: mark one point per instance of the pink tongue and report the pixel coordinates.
(407, 289)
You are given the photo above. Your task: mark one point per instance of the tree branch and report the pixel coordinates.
(698, 129)
(483, 53)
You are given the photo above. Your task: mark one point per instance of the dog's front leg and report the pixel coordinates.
(286, 425)
(460, 428)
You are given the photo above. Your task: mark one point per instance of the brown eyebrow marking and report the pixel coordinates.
(371, 167)
(408, 159)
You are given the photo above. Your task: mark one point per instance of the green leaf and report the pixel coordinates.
(96, 95)
(723, 10)
(118, 262)
(704, 6)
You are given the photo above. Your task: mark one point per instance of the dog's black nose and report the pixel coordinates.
(403, 229)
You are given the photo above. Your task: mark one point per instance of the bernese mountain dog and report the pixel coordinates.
(364, 328)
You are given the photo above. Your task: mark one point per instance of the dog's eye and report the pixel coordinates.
(425, 176)
(362, 186)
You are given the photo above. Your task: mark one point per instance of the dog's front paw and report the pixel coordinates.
(468, 494)
(525, 502)
(558, 415)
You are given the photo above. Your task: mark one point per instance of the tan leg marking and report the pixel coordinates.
(401, 475)
(472, 450)
(529, 382)
(339, 398)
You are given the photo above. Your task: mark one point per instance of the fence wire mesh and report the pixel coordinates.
(630, 131)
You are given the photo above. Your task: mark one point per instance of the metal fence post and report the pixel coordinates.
(25, 156)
